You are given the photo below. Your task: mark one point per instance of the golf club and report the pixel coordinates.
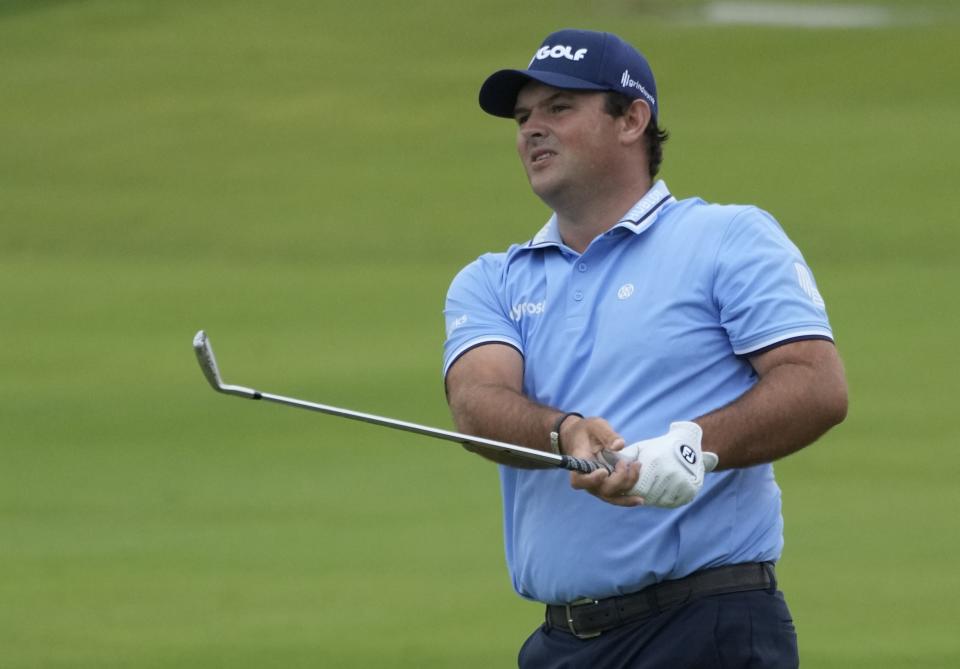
(208, 363)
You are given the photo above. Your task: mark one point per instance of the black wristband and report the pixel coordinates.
(555, 434)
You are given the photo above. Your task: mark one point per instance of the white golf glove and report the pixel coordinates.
(671, 466)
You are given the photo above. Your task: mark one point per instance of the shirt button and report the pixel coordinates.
(578, 295)
(582, 267)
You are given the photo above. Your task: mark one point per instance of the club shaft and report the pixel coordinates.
(529, 453)
(208, 364)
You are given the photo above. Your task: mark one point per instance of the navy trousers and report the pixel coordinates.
(743, 630)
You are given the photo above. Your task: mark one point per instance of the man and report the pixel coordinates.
(692, 332)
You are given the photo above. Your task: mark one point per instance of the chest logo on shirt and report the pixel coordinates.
(521, 309)
(625, 292)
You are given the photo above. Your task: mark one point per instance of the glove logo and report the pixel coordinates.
(688, 454)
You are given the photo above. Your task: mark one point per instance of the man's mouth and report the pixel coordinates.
(540, 156)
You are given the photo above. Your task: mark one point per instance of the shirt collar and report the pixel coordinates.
(640, 217)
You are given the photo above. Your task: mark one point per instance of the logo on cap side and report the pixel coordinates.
(627, 82)
(558, 51)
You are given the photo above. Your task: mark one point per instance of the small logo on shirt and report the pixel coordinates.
(521, 309)
(625, 292)
(456, 323)
(806, 283)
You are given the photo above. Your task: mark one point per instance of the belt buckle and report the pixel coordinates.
(579, 602)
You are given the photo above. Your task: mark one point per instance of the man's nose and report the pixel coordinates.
(533, 129)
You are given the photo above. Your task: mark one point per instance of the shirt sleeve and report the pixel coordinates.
(765, 292)
(475, 311)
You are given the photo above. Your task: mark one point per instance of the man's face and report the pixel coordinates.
(566, 141)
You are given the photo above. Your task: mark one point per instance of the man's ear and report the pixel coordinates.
(634, 122)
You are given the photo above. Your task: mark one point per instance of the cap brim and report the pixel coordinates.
(498, 94)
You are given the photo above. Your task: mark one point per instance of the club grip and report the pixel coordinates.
(583, 466)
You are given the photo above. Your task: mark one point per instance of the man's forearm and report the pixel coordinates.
(501, 413)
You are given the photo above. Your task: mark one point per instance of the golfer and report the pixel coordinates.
(684, 341)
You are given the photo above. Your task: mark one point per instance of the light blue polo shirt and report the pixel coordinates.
(651, 324)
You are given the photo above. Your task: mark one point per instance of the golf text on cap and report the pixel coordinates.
(558, 51)
(627, 82)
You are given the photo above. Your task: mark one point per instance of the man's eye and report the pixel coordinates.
(559, 108)
(521, 119)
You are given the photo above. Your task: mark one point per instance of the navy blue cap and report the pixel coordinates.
(580, 60)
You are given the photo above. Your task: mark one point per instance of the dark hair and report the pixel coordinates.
(616, 105)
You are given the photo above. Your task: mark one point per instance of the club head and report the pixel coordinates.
(208, 365)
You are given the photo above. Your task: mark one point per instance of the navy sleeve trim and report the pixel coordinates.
(785, 341)
(478, 345)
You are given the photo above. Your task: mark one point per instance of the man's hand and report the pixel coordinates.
(594, 439)
(671, 466)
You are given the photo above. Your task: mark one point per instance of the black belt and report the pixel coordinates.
(587, 618)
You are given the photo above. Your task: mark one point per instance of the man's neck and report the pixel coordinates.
(582, 221)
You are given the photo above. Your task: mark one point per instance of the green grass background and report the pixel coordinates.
(303, 179)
